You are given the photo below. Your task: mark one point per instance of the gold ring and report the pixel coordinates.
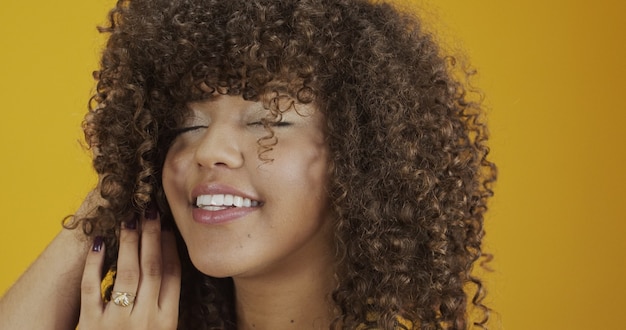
(123, 299)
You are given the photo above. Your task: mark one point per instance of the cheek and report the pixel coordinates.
(316, 158)
(173, 169)
(318, 166)
(308, 168)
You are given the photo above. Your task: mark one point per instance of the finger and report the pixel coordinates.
(150, 257)
(128, 272)
(170, 284)
(91, 304)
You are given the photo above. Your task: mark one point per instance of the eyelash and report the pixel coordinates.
(182, 130)
(276, 124)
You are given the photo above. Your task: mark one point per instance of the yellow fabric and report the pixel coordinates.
(408, 324)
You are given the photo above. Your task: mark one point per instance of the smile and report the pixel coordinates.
(223, 201)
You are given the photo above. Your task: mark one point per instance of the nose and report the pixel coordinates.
(219, 147)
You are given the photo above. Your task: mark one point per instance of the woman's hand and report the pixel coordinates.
(51, 285)
(146, 292)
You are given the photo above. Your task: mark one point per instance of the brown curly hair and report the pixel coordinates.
(409, 175)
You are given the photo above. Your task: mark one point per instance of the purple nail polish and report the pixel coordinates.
(97, 244)
(151, 212)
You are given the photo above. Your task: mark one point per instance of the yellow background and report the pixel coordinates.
(554, 77)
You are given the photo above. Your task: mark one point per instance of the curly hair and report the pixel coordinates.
(409, 174)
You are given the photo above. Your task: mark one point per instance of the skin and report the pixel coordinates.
(278, 253)
(51, 285)
(153, 273)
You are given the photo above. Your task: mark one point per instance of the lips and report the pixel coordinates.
(216, 204)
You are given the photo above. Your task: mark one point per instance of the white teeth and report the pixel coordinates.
(219, 201)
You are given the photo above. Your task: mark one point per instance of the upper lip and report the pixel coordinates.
(218, 188)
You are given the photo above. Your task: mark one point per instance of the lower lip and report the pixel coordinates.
(221, 216)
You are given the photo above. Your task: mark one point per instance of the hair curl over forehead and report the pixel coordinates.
(409, 175)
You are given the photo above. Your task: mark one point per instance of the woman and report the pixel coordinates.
(311, 164)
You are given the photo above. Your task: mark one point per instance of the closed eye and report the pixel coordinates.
(272, 124)
(179, 131)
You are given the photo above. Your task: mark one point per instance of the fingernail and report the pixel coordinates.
(151, 212)
(97, 244)
(131, 223)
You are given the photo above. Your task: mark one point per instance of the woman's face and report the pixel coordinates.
(241, 215)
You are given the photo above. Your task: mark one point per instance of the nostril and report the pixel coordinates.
(216, 164)
(216, 151)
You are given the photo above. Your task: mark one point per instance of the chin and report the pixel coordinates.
(213, 267)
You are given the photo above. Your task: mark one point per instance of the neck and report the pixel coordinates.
(299, 299)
